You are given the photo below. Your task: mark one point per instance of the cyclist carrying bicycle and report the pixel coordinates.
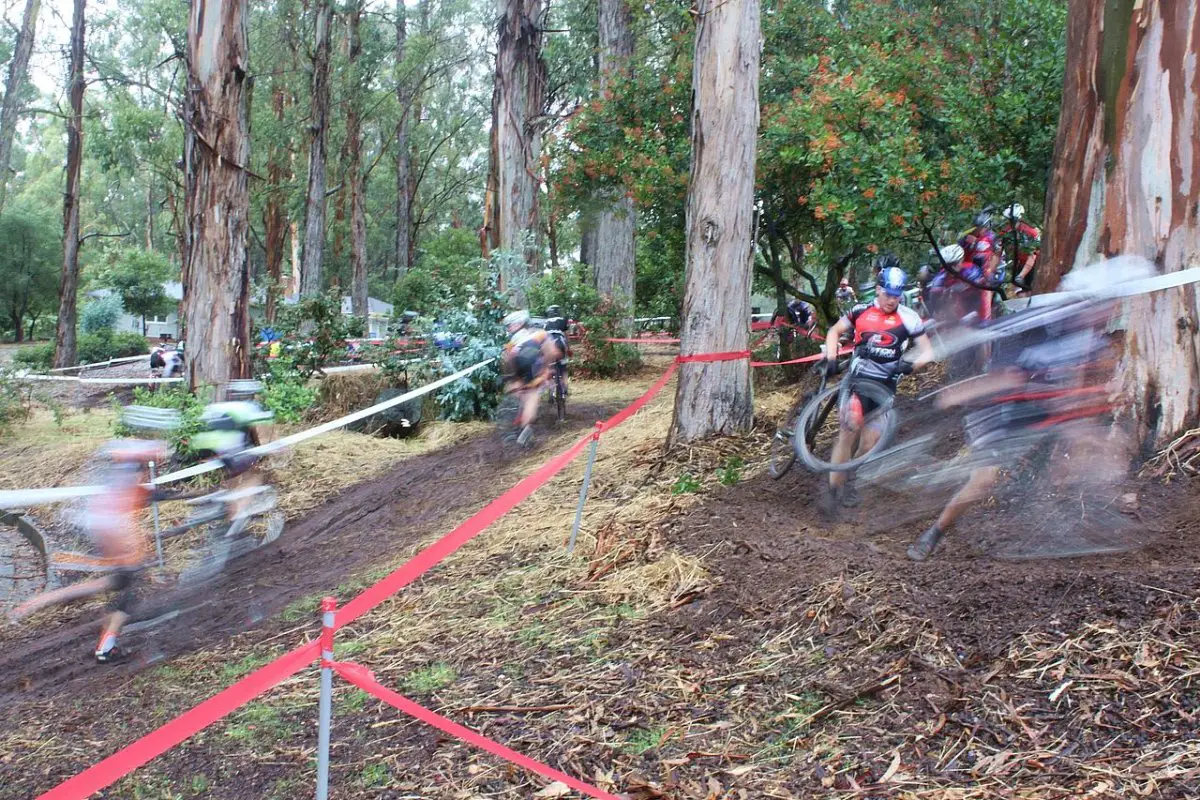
(112, 525)
(231, 428)
(883, 330)
(527, 358)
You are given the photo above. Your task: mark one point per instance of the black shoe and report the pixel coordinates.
(828, 502)
(925, 544)
(113, 655)
(850, 498)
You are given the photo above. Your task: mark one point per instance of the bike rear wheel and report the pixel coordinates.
(560, 394)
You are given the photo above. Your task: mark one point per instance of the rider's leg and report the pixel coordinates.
(841, 453)
(976, 488)
(67, 594)
(529, 398)
(124, 584)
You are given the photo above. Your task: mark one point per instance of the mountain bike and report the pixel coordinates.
(823, 417)
(558, 388)
(783, 445)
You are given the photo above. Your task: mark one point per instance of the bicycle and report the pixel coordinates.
(558, 391)
(783, 446)
(820, 419)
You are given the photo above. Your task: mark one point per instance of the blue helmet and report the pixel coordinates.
(892, 280)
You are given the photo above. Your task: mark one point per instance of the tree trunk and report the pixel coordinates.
(314, 218)
(403, 153)
(14, 91)
(294, 282)
(613, 258)
(216, 150)
(354, 173)
(517, 104)
(274, 212)
(68, 287)
(716, 397)
(1127, 181)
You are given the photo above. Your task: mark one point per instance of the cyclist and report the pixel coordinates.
(1037, 376)
(1025, 240)
(845, 295)
(883, 330)
(231, 428)
(527, 357)
(112, 525)
(800, 316)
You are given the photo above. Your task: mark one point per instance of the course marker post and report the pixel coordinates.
(583, 490)
(325, 707)
(154, 513)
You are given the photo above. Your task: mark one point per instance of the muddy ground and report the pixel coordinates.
(811, 659)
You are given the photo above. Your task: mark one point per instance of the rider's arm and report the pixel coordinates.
(833, 337)
(924, 348)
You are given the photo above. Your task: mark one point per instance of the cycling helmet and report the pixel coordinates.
(952, 254)
(887, 261)
(1014, 212)
(984, 218)
(892, 280)
(553, 311)
(516, 320)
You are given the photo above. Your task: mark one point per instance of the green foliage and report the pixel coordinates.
(447, 273)
(101, 346)
(14, 401)
(730, 473)
(289, 399)
(686, 484)
(571, 289)
(312, 333)
(35, 356)
(30, 255)
(101, 314)
(428, 680)
(137, 277)
(189, 406)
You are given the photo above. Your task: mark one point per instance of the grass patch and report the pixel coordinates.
(433, 678)
(249, 663)
(260, 723)
(375, 774)
(643, 741)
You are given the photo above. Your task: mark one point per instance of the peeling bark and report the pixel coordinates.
(613, 247)
(354, 172)
(517, 105)
(716, 397)
(14, 91)
(1127, 182)
(274, 212)
(217, 147)
(403, 153)
(314, 217)
(68, 287)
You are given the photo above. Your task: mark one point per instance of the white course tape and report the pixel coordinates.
(22, 498)
(96, 381)
(110, 362)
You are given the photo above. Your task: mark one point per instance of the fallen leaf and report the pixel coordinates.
(556, 789)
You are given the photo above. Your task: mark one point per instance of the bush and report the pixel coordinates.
(94, 347)
(14, 401)
(572, 290)
(36, 356)
(310, 333)
(101, 314)
(187, 404)
(288, 398)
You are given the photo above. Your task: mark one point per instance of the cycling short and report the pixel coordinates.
(858, 405)
(238, 463)
(528, 363)
(124, 583)
(990, 425)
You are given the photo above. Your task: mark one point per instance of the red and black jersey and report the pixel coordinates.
(881, 338)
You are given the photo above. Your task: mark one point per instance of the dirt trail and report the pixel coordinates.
(364, 528)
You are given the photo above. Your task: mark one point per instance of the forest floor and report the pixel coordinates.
(709, 638)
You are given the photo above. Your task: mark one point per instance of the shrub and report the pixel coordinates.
(187, 404)
(601, 318)
(288, 398)
(93, 347)
(14, 400)
(36, 356)
(101, 314)
(310, 333)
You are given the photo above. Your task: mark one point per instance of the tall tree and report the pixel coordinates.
(314, 217)
(612, 254)
(14, 91)
(354, 171)
(715, 397)
(403, 152)
(215, 155)
(1126, 181)
(64, 345)
(517, 103)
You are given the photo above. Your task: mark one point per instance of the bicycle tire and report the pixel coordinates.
(783, 449)
(560, 394)
(816, 412)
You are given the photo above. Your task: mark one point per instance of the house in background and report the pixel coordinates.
(157, 326)
(166, 326)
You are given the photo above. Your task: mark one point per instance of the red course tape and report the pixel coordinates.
(363, 678)
(157, 742)
(736, 355)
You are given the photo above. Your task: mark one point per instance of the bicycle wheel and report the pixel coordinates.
(560, 393)
(821, 421)
(783, 449)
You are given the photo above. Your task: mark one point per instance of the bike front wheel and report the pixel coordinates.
(821, 423)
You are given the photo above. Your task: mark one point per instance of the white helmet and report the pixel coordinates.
(952, 254)
(1014, 212)
(517, 319)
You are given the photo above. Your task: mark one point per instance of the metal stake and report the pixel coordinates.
(325, 707)
(154, 513)
(583, 490)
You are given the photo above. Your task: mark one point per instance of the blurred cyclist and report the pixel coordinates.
(883, 329)
(231, 428)
(527, 358)
(112, 525)
(1024, 241)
